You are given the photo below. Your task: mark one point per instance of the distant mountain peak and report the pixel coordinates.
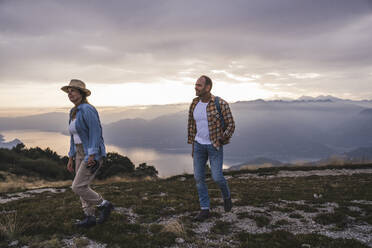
(259, 100)
(320, 98)
(10, 144)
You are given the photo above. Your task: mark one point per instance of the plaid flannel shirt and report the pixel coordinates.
(214, 123)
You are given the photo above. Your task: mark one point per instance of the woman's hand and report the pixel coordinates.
(91, 161)
(70, 165)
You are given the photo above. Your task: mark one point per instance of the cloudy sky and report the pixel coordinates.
(152, 51)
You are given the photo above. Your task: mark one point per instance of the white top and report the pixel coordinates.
(75, 135)
(201, 119)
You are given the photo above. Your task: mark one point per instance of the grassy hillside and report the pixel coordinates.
(21, 166)
(272, 208)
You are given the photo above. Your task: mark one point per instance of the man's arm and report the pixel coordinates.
(190, 127)
(229, 120)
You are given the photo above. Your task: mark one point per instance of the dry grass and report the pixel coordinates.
(174, 226)
(163, 211)
(16, 183)
(81, 242)
(253, 167)
(9, 226)
(122, 179)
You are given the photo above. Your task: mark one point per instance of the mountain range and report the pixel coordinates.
(303, 129)
(9, 144)
(362, 155)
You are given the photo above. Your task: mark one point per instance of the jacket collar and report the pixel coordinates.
(80, 106)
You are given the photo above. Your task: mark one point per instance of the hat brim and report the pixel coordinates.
(65, 89)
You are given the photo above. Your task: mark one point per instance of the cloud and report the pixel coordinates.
(260, 41)
(304, 75)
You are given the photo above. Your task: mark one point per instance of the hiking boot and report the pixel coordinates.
(89, 221)
(106, 207)
(227, 204)
(203, 215)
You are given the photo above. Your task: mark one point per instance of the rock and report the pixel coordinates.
(14, 243)
(180, 240)
(316, 196)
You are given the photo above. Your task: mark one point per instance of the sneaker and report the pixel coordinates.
(88, 222)
(227, 204)
(203, 215)
(106, 207)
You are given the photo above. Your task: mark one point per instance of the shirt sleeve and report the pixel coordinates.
(228, 118)
(94, 129)
(190, 126)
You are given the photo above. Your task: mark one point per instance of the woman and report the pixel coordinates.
(87, 150)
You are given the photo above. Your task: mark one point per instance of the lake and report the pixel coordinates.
(167, 164)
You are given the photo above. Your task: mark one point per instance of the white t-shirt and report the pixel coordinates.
(75, 135)
(201, 119)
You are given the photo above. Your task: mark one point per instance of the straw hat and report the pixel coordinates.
(77, 84)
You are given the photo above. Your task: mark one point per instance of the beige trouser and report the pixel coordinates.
(81, 184)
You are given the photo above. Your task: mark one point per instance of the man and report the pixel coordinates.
(207, 133)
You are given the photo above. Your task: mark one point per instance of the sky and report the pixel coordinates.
(151, 52)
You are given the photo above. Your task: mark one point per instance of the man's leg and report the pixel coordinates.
(216, 161)
(200, 160)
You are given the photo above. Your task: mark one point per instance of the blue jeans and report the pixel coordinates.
(201, 155)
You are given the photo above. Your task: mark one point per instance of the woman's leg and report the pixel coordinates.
(81, 184)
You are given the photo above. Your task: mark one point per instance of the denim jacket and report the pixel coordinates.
(88, 126)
